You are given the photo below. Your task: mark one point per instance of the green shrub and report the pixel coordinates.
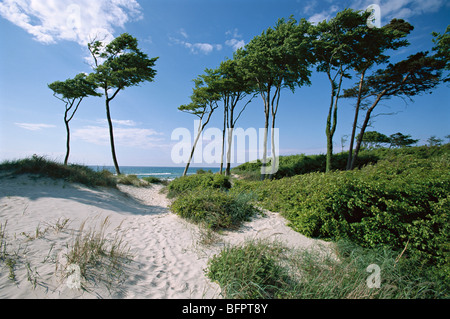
(155, 180)
(251, 271)
(202, 181)
(214, 208)
(397, 202)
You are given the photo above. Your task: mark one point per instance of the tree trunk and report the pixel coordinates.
(223, 138)
(66, 160)
(266, 99)
(330, 129)
(230, 142)
(199, 133)
(274, 153)
(363, 129)
(355, 123)
(230, 137)
(332, 116)
(264, 159)
(188, 164)
(111, 137)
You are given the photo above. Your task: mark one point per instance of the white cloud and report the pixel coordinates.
(235, 44)
(183, 33)
(34, 127)
(234, 33)
(125, 134)
(401, 9)
(50, 21)
(118, 122)
(196, 48)
(327, 14)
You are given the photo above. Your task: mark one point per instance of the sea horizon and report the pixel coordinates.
(162, 172)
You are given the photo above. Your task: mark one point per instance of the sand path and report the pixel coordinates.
(169, 257)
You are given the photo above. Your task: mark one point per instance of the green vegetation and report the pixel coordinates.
(119, 64)
(204, 199)
(155, 180)
(267, 270)
(44, 167)
(41, 166)
(214, 209)
(202, 181)
(401, 202)
(302, 164)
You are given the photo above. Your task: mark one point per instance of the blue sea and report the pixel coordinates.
(168, 173)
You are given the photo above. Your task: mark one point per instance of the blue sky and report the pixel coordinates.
(45, 40)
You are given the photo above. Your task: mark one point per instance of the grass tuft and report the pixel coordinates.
(99, 258)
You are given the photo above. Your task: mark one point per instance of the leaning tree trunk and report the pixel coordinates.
(355, 123)
(111, 138)
(66, 160)
(188, 164)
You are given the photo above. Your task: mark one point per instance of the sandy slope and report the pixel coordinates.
(169, 259)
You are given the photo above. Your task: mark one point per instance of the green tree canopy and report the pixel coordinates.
(204, 101)
(118, 65)
(442, 42)
(400, 140)
(418, 74)
(279, 58)
(72, 92)
(374, 139)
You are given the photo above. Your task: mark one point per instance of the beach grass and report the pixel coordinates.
(99, 258)
(269, 270)
(44, 167)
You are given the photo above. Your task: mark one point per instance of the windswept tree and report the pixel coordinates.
(399, 140)
(418, 74)
(233, 89)
(204, 101)
(72, 92)
(370, 50)
(336, 43)
(434, 141)
(277, 59)
(119, 65)
(374, 139)
(442, 42)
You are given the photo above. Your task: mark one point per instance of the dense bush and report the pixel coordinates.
(302, 164)
(397, 202)
(197, 182)
(214, 208)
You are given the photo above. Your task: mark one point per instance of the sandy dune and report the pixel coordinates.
(169, 257)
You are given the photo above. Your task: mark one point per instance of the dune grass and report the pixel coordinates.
(94, 256)
(98, 258)
(42, 166)
(266, 270)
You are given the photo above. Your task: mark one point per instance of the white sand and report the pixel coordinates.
(169, 257)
